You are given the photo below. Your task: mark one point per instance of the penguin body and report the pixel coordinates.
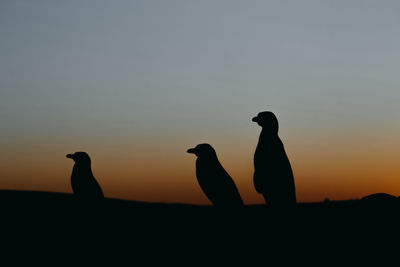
(215, 182)
(273, 175)
(84, 185)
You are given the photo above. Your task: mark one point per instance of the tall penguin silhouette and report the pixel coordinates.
(215, 182)
(84, 185)
(273, 175)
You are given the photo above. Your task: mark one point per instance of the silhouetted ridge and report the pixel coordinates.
(380, 197)
(381, 201)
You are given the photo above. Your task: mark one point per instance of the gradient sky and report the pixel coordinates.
(137, 83)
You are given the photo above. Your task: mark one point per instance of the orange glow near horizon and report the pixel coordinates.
(323, 168)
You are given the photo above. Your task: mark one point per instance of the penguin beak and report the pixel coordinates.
(70, 156)
(255, 119)
(191, 151)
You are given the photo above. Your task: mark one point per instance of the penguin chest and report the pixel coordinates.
(210, 177)
(84, 184)
(270, 157)
(80, 185)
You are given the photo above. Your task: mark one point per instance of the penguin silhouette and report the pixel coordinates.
(215, 182)
(84, 185)
(273, 175)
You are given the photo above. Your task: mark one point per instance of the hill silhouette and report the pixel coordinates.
(52, 204)
(147, 230)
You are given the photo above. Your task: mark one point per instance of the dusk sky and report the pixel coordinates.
(136, 83)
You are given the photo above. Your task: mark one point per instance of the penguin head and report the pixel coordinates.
(203, 150)
(80, 158)
(267, 120)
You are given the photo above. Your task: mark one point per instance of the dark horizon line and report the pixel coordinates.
(128, 201)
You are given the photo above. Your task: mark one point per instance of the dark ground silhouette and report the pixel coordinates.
(273, 175)
(215, 182)
(84, 185)
(48, 224)
(17, 200)
(63, 208)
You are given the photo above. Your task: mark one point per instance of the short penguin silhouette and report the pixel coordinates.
(215, 182)
(84, 185)
(273, 175)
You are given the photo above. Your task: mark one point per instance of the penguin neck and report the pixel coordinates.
(267, 135)
(83, 168)
(210, 159)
